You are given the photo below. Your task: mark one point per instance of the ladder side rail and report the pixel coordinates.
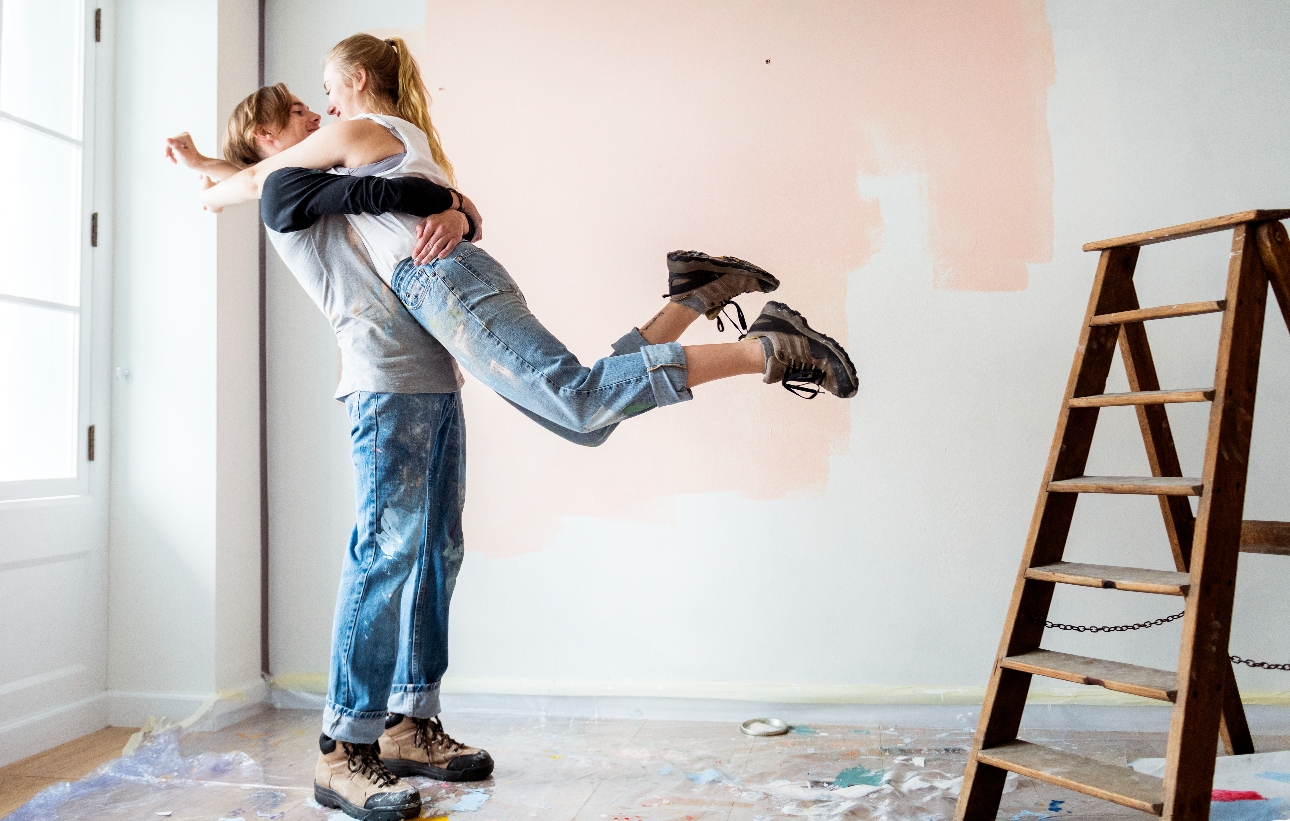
(1274, 249)
(1157, 436)
(1193, 732)
(1005, 697)
(1180, 524)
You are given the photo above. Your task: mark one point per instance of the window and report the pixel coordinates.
(44, 242)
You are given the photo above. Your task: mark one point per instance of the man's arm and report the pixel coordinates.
(294, 198)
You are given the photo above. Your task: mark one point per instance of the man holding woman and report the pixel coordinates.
(407, 298)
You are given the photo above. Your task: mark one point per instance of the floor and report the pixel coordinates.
(560, 769)
(67, 762)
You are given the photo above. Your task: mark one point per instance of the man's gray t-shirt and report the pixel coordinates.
(382, 348)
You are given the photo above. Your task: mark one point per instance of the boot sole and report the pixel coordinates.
(328, 797)
(787, 314)
(403, 768)
(703, 261)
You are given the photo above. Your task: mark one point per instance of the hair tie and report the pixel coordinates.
(390, 43)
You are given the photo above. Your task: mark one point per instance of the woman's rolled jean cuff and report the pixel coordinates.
(352, 726)
(416, 700)
(631, 342)
(665, 365)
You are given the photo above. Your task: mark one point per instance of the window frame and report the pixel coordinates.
(22, 490)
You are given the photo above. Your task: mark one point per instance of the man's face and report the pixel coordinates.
(301, 122)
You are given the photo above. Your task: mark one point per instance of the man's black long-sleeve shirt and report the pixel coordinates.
(294, 198)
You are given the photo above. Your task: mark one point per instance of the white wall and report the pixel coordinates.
(183, 603)
(883, 575)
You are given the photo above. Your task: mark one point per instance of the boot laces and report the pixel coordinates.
(740, 321)
(429, 733)
(365, 759)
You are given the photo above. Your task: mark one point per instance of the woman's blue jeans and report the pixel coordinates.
(390, 637)
(474, 308)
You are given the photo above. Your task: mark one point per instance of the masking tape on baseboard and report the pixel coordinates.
(316, 684)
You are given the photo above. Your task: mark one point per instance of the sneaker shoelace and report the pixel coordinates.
(739, 312)
(803, 380)
(365, 759)
(429, 732)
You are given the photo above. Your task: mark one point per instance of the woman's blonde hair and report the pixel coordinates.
(392, 77)
(268, 107)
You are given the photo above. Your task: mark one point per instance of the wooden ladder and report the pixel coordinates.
(1205, 547)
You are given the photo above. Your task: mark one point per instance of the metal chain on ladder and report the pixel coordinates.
(1121, 628)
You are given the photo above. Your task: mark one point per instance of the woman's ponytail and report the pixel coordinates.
(394, 80)
(413, 102)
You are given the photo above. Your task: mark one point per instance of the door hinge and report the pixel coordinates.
(94, 230)
(98, 25)
(89, 444)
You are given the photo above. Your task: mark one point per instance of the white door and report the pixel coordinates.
(54, 356)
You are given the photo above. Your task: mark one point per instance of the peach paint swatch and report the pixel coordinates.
(598, 136)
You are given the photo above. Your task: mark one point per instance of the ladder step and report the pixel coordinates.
(1144, 485)
(1119, 784)
(1138, 580)
(1265, 537)
(1162, 685)
(1143, 398)
(1160, 312)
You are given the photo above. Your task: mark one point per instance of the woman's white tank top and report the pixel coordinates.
(390, 237)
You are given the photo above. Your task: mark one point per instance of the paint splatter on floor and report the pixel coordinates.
(859, 775)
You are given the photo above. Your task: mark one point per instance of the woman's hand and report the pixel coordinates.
(469, 208)
(437, 235)
(207, 183)
(181, 150)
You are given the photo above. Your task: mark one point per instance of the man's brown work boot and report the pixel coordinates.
(351, 778)
(419, 746)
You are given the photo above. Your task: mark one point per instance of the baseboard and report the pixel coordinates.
(1086, 708)
(38, 732)
(197, 711)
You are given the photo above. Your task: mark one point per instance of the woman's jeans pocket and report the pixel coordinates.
(482, 267)
(410, 284)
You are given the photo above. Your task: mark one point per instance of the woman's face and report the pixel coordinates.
(342, 97)
(300, 124)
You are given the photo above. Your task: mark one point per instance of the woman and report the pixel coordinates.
(471, 305)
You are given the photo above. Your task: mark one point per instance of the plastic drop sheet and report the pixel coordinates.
(556, 769)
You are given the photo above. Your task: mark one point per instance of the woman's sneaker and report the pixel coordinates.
(801, 358)
(708, 284)
(419, 746)
(351, 778)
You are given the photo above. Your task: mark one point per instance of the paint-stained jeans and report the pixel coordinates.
(390, 637)
(473, 307)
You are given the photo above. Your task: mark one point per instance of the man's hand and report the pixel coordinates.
(469, 208)
(181, 149)
(437, 235)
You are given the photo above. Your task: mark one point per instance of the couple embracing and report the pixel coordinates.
(366, 215)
